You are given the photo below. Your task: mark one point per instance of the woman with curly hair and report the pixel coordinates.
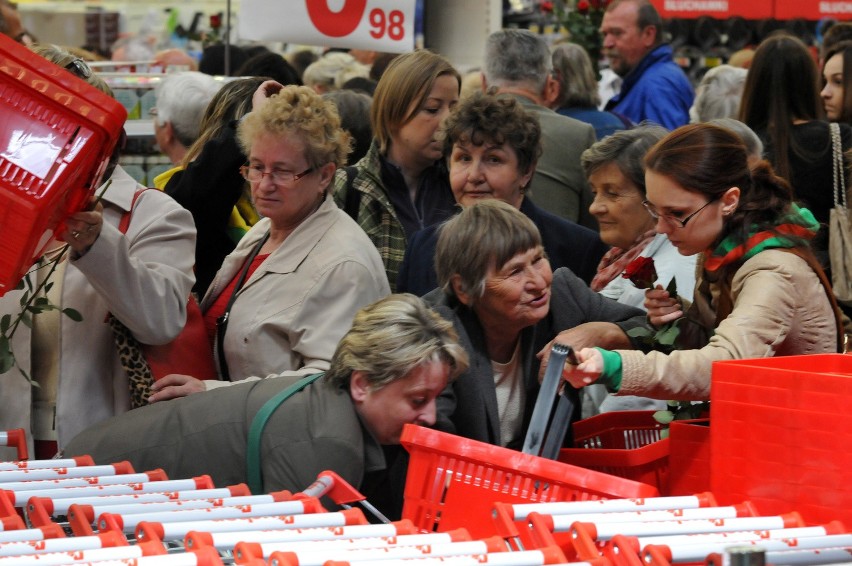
(287, 294)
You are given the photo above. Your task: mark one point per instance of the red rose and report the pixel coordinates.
(596, 4)
(641, 272)
(583, 6)
(547, 7)
(216, 21)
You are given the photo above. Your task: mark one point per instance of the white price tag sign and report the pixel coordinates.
(378, 25)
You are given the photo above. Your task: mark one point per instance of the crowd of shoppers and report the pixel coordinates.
(319, 185)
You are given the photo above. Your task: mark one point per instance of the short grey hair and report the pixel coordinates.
(626, 149)
(182, 99)
(578, 83)
(484, 235)
(752, 141)
(332, 70)
(719, 94)
(517, 57)
(392, 337)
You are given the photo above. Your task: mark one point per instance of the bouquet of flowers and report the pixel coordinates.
(582, 19)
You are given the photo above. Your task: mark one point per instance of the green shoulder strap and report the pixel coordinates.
(254, 475)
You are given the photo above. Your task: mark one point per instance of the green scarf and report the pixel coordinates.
(799, 224)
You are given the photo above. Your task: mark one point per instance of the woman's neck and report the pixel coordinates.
(411, 172)
(501, 347)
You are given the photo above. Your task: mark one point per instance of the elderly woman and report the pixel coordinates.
(287, 294)
(506, 304)
(616, 174)
(761, 293)
(340, 420)
(401, 185)
(491, 146)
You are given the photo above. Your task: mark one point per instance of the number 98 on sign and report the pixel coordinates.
(379, 25)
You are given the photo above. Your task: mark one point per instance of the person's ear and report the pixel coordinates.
(730, 200)
(327, 174)
(550, 94)
(525, 180)
(458, 289)
(648, 37)
(359, 386)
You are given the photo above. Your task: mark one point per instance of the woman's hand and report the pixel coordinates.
(173, 386)
(604, 334)
(263, 92)
(587, 371)
(662, 308)
(83, 228)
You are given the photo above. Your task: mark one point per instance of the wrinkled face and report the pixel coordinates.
(407, 400)
(673, 203)
(416, 144)
(618, 207)
(832, 92)
(517, 294)
(486, 171)
(285, 204)
(624, 44)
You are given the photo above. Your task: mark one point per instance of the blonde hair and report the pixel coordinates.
(392, 337)
(73, 64)
(404, 85)
(299, 111)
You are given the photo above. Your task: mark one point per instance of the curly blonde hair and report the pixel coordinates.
(299, 111)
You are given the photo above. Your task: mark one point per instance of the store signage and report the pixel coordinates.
(719, 9)
(378, 25)
(813, 9)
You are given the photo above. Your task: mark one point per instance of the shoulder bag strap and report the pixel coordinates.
(254, 475)
(222, 321)
(839, 175)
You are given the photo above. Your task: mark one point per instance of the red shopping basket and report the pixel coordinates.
(626, 444)
(453, 482)
(56, 135)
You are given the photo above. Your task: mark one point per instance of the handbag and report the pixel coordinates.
(190, 353)
(839, 227)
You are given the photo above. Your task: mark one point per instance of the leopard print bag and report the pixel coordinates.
(133, 361)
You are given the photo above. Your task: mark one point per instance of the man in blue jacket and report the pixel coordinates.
(655, 88)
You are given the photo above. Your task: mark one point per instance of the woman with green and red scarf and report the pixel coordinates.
(759, 292)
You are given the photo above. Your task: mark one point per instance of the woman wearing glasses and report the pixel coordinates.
(760, 292)
(287, 294)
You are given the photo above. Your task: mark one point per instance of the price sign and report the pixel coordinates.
(378, 25)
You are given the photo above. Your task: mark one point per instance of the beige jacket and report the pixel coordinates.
(780, 309)
(291, 313)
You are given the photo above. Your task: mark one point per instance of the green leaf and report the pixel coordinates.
(672, 287)
(28, 378)
(7, 358)
(20, 285)
(29, 283)
(639, 332)
(25, 298)
(663, 417)
(667, 335)
(664, 433)
(72, 314)
(41, 302)
(5, 323)
(48, 286)
(27, 319)
(34, 309)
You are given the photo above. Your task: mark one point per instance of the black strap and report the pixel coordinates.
(353, 197)
(222, 321)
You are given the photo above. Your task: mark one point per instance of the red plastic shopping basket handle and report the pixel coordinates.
(331, 485)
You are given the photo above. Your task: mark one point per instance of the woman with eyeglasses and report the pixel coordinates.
(287, 294)
(760, 292)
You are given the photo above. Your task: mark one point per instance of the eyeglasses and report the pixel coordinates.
(255, 174)
(673, 220)
(79, 68)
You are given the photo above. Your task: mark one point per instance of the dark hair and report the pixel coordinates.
(354, 110)
(213, 59)
(484, 118)
(839, 31)
(691, 156)
(377, 69)
(782, 85)
(270, 65)
(844, 49)
(301, 60)
(360, 84)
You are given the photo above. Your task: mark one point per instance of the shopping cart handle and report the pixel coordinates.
(333, 486)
